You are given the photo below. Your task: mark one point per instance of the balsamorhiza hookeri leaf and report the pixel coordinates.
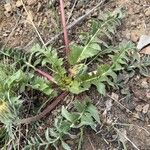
(63, 124)
(122, 55)
(99, 76)
(88, 107)
(49, 56)
(42, 85)
(69, 116)
(105, 73)
(105, 27)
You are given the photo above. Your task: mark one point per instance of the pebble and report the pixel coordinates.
(139, 108)
(5, 34)
(134, 36)
(144, 41)
(8, 7)
(31, 2)
(148, 95)
(18, 3)
(144, 83)
(145, 109)
(147, 12)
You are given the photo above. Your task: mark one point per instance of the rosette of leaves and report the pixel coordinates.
(79, 78)
(85, 114)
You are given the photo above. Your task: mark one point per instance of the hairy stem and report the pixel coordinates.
(42, 73)
(64, 27)
(46, 75)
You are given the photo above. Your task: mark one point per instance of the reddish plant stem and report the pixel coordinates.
(46, 75)
(64, 27)
(47, 110)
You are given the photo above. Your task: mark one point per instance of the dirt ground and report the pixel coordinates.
(130, 112)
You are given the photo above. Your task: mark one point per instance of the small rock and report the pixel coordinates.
(114, 96)
(144, 83)
(16, 33)
(145, 50)
(7, 14)
(139, 108)
(108, 105)
(133, 23)
(145, 109)
(8, 7)
(144, 41)
(31, 2)
(126, 34)
(137, 9)
(5, 34)
(147, 12)
(18, 3)
(134, 36)
(148, 95)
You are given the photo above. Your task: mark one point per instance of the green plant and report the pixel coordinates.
(85, 114)
(13, 83)
(80, 78)
(10, 101)
(85, 70)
